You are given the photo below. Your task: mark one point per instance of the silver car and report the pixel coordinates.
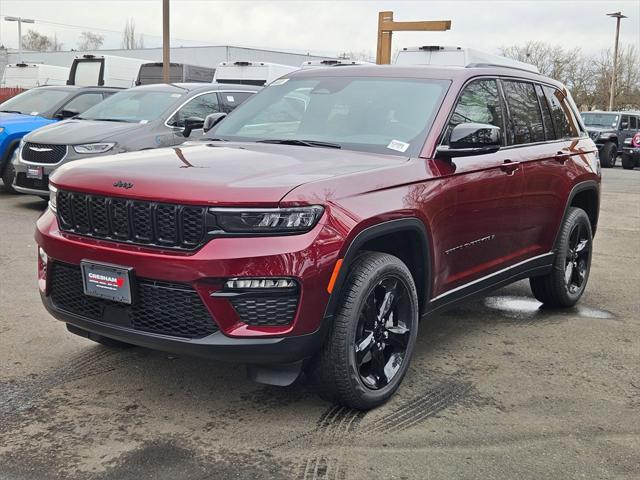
(140, 118)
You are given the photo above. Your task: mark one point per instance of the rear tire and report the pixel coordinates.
(627, 162)
(608, 155)
(565, 284)
(9, 175)
(368, 348)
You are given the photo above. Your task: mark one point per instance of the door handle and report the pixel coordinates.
(561, 157)
(509, 167)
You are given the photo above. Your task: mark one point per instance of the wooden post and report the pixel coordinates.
(386, 27)
(165, 41)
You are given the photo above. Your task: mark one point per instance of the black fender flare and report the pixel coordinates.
(6, 156)
(578, 188)
(412, 224)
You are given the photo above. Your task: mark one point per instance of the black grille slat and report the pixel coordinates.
(132, 221)
(159, 307)
(265, 311)
(43, 153)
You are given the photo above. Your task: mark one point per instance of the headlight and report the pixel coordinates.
(268, 220)
(53, 198)
(93, 147)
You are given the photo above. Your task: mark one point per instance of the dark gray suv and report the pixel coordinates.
(139, 118)
(609, 130)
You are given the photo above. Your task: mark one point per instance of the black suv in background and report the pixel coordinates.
(609, 130)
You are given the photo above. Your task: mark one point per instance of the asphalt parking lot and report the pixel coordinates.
(498, 388)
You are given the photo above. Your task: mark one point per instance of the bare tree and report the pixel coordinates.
(90, 41)
(587, 77)
(56, 46)
(129, 40)
(36, 41)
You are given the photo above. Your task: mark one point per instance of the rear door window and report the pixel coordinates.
(550, 134)
(478, 103)
(526, 116)
(561, 123)
(633, 123)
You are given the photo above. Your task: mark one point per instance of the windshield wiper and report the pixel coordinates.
(213, 139)
(107, 120)
(10, 111)
(303, 143)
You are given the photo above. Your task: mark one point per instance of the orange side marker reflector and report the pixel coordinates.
(334, 276)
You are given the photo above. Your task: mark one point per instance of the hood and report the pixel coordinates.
(74, 132)
(215, 173)
(14, 121)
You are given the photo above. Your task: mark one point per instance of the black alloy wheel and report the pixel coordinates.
(383, 332)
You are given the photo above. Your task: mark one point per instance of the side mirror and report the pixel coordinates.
(62, 114)
(468, 139)
(191, 124)
(212, 120)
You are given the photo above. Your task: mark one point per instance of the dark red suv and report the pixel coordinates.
(323, 218)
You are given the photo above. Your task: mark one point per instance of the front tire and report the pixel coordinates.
(9, 175)
(566, 282)
(367, 351)
(608, 155)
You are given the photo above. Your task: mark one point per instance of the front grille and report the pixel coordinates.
(132, 221)
(159, 307)
(43, 153)
(267, 310)
(33, 183)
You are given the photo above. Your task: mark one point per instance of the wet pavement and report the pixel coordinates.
(499, 388)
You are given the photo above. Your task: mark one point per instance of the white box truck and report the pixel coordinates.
(250, 73)
(463, 57)
(30, 75)
(105, 70)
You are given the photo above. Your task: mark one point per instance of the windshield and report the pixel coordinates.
(132, 106)
(383, 115)
(605, 120)
(34, 102)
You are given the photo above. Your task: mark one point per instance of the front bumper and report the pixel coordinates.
(217, 346)
(309, 258)
(29, 186)
(632, 152)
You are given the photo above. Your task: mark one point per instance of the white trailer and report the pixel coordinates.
(458, 56)
(250, 73)
(105, 70)
(29, 75)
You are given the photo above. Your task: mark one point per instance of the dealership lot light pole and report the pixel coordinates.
(20, 21)
(612, 94)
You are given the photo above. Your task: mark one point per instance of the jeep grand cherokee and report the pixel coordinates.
(323, 218)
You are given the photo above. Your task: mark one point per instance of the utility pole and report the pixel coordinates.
(618, 16)
(20, 21)
(165, 41)
(386, 27)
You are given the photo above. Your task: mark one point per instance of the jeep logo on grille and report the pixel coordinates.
(41, 149)
(121, 184)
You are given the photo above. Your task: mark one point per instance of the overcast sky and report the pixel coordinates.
(329, 27)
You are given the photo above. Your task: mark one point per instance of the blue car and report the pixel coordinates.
(38, 107)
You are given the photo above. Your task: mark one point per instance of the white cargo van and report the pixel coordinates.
(250, 73)
(463, 57)
(178, 72)
(105, 70)
(332, 63)
(30, 75)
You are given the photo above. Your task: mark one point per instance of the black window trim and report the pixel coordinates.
(218, 92)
